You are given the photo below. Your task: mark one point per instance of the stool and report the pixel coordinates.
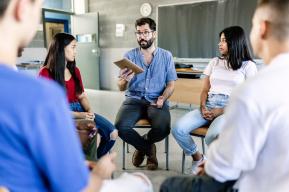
(144, 123)
(199, 132)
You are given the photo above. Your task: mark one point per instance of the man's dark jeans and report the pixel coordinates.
(196, 184)
(134, 109)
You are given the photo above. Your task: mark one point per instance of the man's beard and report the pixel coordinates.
(146, 45)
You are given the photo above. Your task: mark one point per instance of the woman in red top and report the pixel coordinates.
(60, 66)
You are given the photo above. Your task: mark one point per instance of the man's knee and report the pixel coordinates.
(123, 130)
(159, 133)
(164, 129)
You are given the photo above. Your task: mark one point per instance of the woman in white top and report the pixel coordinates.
(222, 75)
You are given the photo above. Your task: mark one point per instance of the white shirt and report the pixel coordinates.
(254, 144)
(128, 182)
(223, 79)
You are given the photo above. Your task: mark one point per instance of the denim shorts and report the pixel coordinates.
(217, 101)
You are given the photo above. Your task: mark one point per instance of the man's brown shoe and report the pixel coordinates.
(152, 162)
(138, 157)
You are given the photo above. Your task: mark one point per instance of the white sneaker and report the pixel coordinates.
(195, 166)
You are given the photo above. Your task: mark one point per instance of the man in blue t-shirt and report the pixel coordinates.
(146, 94)
(39, 150)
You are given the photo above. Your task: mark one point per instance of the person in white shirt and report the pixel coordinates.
(222, 75)
(253, 146)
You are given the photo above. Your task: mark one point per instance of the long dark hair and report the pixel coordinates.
(55, 60)
(238, 49)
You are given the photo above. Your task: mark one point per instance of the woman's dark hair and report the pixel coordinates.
(238, 49)
(55, 60)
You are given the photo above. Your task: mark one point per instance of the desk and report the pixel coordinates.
(187, 91)
(188, 73)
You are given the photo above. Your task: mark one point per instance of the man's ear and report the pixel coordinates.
(264, 29)
(154, 34)
(21, 8)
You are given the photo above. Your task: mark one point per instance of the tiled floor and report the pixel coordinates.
(107, 104)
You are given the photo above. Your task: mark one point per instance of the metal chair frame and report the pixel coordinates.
(201, 133)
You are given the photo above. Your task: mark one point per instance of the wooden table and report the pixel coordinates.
(189, 71)
(187, 91)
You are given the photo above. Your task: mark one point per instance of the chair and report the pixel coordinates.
(188, 91)
(144, 123)
(201, 133)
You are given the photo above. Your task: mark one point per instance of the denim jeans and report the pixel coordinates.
(134, 109)
(194, 119)
(104, 129)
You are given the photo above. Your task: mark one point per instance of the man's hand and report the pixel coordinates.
(160, 102)
(105, 166)
(126, 74)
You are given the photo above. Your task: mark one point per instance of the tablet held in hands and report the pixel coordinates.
(125, 63)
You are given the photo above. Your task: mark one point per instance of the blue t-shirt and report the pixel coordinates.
(152, 82)
(40, 150)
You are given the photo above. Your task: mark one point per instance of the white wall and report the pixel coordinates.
(108, 71)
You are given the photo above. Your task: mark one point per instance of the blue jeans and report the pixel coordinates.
(104, 129)
(194, 119)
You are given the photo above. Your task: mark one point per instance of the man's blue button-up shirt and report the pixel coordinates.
(152, 82)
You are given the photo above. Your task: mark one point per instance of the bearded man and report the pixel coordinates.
(146, 94)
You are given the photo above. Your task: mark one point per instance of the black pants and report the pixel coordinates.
(134, 109)
(196, 184)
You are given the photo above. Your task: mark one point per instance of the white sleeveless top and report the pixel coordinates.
(223, 80)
